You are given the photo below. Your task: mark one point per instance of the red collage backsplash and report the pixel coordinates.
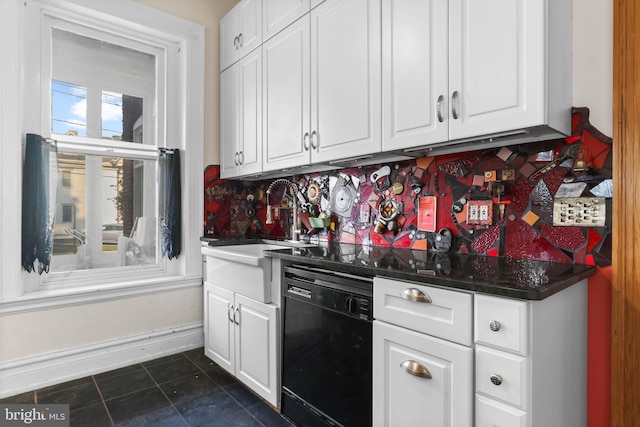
(548, 201)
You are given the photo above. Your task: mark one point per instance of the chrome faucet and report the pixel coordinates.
(295, 232)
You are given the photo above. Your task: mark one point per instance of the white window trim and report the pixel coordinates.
(186, 102)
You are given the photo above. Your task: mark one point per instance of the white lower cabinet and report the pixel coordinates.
(420, 380)
(526, 366)
(422, 355)
(490, 413)
(240, 336)
(531, 360)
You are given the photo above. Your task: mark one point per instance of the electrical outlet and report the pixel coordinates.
(479, 212)
(579, 211)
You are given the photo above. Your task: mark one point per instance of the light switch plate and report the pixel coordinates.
(579, 211)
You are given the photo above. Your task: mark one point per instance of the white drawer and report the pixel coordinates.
(501, 322)
(502, 376)
(447, 316)
(490, 413)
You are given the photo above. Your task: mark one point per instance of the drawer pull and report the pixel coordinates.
(414, 368)
(494, 325)
(416, 295)
(496, 379)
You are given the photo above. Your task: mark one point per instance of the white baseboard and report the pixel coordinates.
(19, 376)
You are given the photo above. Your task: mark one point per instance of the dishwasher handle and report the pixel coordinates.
(295, 290)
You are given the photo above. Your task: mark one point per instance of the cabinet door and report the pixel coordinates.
(219, 339)
(250, 25)
(229, 131)
(401, 398)
(256, 347)
(277, 14)
(414, 73)
(286, 97)
(496, 66)
(250, 113)
(229, 30)
(240, 31)
(345, 79)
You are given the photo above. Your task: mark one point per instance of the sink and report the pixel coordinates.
(250, 254)
(243, 269)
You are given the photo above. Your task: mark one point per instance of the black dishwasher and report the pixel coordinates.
(327, 344)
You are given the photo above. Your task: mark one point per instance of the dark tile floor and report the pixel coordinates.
(186, 389)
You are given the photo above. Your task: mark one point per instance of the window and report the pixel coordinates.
(112, 83)
(102, 87)
(66, 178)
(67, 213)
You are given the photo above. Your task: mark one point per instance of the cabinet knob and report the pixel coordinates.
(240, 40)
(494, 325)
(314, 142)
(229, 313)
(241, 157)
(236, 313)
(414, 368)
(416, 295)
(235, 159)
(496, 379)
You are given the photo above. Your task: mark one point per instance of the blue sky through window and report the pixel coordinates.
(69, 111)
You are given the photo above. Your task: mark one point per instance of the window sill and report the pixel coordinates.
(56, 298)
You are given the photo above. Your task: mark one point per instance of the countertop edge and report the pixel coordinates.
(470, 285)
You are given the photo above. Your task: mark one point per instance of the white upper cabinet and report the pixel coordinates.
(241, 117)
(322, 86)
(497, 66)
(240, 31)
(500, 69)
(414, 72)
(287, 97)
(345, 80)
(278, 14)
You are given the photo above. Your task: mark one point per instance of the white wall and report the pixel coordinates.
(593, 60)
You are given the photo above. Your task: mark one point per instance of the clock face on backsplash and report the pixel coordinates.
(342, 198)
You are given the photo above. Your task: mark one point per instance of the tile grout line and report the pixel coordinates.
(93, 378)
(165, 394)
(223, 388)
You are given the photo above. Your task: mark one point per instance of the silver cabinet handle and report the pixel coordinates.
(235, 159)
(305, 141)
(241, 157)
(414, 368)
(494, 325)
(416, 295)
(455, 99)
(496, 379)
(439, 107)
(314, 143)
(236, 313)
(240, 40)
(229, 313)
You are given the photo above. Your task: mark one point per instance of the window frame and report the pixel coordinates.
(183, 42)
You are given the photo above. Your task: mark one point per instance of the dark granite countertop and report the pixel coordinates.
(507, 277)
